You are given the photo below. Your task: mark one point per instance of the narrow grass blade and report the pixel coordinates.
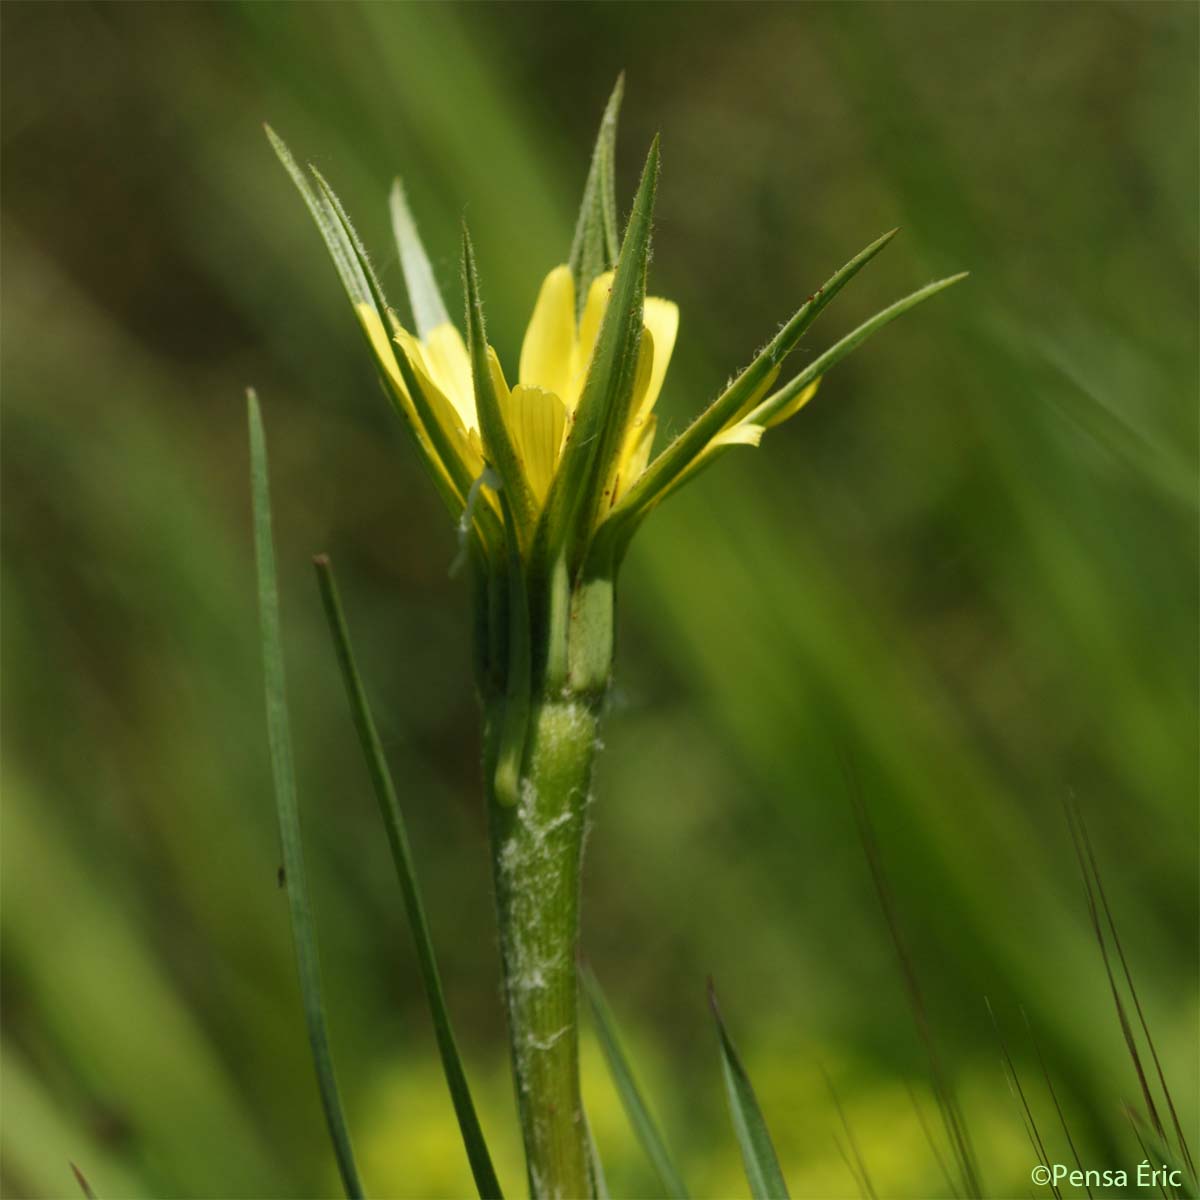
(1018, 1092)
(853, 1156)
(1086, 842)
(595, 1166)
(304, 932)
(1058, 1108)
(762, 1164)
(1158, 1153)
(393, 820)
(627, 1088)
(84, 1186)
(424, 298)
(1122, 1014)
(930, 1141)
(953, 1122)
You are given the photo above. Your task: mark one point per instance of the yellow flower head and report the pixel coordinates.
(556, 471)
(538, 411)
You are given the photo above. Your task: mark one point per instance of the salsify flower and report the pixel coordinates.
(537, 412)
(548, 478)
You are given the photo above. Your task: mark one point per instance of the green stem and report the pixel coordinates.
(537, 849)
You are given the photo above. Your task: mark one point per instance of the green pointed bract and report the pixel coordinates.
(338, 210)
(595, 245)
(601, 417)
(731, 403)
(340, 249)
(762, 413)
(765, 412)
(424, 298)
(362, 286)
(497, 445)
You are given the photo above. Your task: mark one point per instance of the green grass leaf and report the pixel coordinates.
(393, 821)
(595, 1166)
(304, 932)
(595, 246)
(762, 1165)
(627, 1088)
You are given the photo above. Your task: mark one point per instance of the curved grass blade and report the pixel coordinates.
(631, 1098)
(762, 1164)
(393, 820)
(283, 770)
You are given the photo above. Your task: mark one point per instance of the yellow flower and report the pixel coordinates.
(537, 412)
(556, 471)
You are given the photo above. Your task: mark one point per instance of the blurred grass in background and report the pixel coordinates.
(969, 570)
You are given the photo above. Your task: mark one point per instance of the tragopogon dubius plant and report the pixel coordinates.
(548, 478)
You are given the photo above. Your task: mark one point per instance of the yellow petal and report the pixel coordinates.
(384, 354)
(661, 318)
(450, 368)
(535, 420)
(795, 405)
(445, 412)
(635, 458)
(546, 354)
(589, 328)
(643, 399)
(498, 380)
(739, 435)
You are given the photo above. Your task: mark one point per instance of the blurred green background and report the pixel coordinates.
(968, 570)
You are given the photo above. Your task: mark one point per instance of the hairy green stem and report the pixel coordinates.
(537, 850)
